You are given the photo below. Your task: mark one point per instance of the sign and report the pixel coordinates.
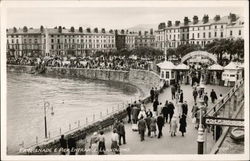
(224, 121)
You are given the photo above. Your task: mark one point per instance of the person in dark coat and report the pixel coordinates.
(101, 145)
(63, 144)
(149, 113)
(156, 93)
(121, 132)
(135, 111)
(213, 95)
(142, 127)
(170, 110)
(72, 145)
(183, 124)
(152, 94)
(184, 107)
(173, 90)
(160, 124)
(129, 113)
(155, 106)
(205, 98)
(164, 111)
(148, 122)
(195, 94)
(181, 96)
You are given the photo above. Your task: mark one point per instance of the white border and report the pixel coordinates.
(45, 4)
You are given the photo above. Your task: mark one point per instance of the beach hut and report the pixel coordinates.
(182, 73)
(232, 73)
(167, 71)
(215, 74)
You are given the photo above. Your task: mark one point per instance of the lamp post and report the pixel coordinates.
(45, 107)
(200, 138)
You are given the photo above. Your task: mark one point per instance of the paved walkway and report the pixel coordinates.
(167, 144)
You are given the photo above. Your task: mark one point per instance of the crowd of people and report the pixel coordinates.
(102, 62)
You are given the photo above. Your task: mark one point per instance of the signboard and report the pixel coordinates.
(224, 121)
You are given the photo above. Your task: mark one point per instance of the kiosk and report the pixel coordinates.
(232, 73)
(167, 72)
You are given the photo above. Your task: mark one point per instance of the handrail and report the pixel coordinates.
(221, 103)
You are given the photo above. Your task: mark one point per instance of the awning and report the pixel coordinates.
(166, 65)
(182, 67)
(215, 67)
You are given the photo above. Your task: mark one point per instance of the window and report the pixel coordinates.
(198, 35)
(193, 35)
(209, 34)
(35, 41)
(239, 32)
(167, 75)
(215, 27)
(58, 41)
(204, 28)
(52, 40)
(52, 46)
(209, 27)
(222, 26)
(65, 40)
(198, 28)
(215, 34)
(17, 41)
(204, 35)
(231, 32)
(221, 34)
(172, 74)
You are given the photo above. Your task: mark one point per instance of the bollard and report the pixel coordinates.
(60, 131)
(36, 140)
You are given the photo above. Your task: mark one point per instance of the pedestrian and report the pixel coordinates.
(148, 122)
(153, 126)
(164, 111)
(101, 145)
(94, 143)
(213, 95)
(171, 110)
(194, 110)
(205, 98)
(160, 124)
(81, 145)
(152, 94)
(181, 96)
(220, 98)
(63, 144)
(129, 113)
(135, 111)
(121, 132)
(149, 113)
(116, 123)
(183, 125)
(155, 107)
(72, 145)
(173, 126)
(184, 108)
(142, 127)
(195, 94)
(156, 93)
(114, 142)
(142, 113)
(173, 90)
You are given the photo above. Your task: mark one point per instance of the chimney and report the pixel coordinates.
(139, 33)
(162, 25)
(205, 19)
(217, 18)
(169, 23)
(145, 33)
(177, 23)
(195, 19)
(232, 17)
(151, 31)
(186, 20)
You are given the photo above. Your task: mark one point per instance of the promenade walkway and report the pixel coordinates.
(167, 144)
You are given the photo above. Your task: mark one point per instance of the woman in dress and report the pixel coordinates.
(94, 143)
(153, 126)
(173, 125)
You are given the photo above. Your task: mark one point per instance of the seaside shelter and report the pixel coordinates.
(215, 74)
(167, 71)
(181, 71)
(232, 73)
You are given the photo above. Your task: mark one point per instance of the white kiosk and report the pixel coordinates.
(215, 73)
(232, 73)
(167, 72)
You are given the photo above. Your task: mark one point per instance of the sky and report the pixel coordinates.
(115, 18)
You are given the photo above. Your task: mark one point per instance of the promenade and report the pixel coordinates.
(167, 144)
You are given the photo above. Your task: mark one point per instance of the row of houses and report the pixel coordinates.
(62, 41)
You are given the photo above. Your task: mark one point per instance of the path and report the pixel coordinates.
(167, 144)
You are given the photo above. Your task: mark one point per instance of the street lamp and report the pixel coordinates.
(46, 106)
(200, 138)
